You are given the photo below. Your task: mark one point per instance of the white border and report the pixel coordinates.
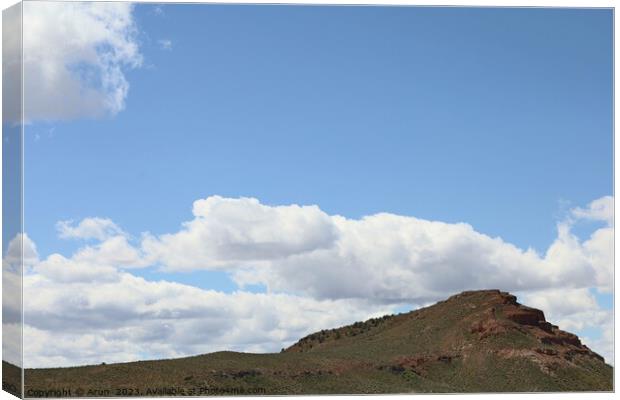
(475, 3)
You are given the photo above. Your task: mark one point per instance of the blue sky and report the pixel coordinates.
(496, 117)
(500, 118)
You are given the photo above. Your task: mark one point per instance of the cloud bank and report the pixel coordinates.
(319, 271)
(384, 257)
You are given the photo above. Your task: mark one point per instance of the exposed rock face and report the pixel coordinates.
(505, 314)
(524, 315)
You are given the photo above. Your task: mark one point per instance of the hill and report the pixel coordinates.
(477, 341)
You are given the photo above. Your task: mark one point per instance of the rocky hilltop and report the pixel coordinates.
(476, 341)
(465, 326)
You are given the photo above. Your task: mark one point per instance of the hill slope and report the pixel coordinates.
(475, 341)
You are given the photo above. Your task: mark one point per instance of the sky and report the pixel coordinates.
(278, 163)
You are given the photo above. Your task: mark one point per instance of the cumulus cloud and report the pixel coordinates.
(88, 228)
(85, 309)
(598, 210)
(75, 55)
(573, 309)
(604, 344)
(320, 271)
(21, 251)
(112, 250)
(385, 257)
(576, 310)
(12, 343)
(115, 251)
(227, 232)
(20, 254)
(11, 65)
(598, 249)
(68, 322)
(63, 270)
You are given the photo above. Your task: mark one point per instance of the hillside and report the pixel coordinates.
(477, 341)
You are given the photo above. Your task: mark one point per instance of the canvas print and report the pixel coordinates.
(232, 199)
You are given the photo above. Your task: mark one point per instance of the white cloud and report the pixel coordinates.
(384, 257)
(165, 44)
(12, 342)
(576, 310)
(229, 232)
(85, 309)
(598, 210)
(604, 345)
(74, 57)
(599, 249)
(561, 303)
(20, 253)
(112, 251)
(321, 271)
(89, 228)
(114, 316)
(21, 250)
(115, 251)
(62, 270)
(11, 65)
